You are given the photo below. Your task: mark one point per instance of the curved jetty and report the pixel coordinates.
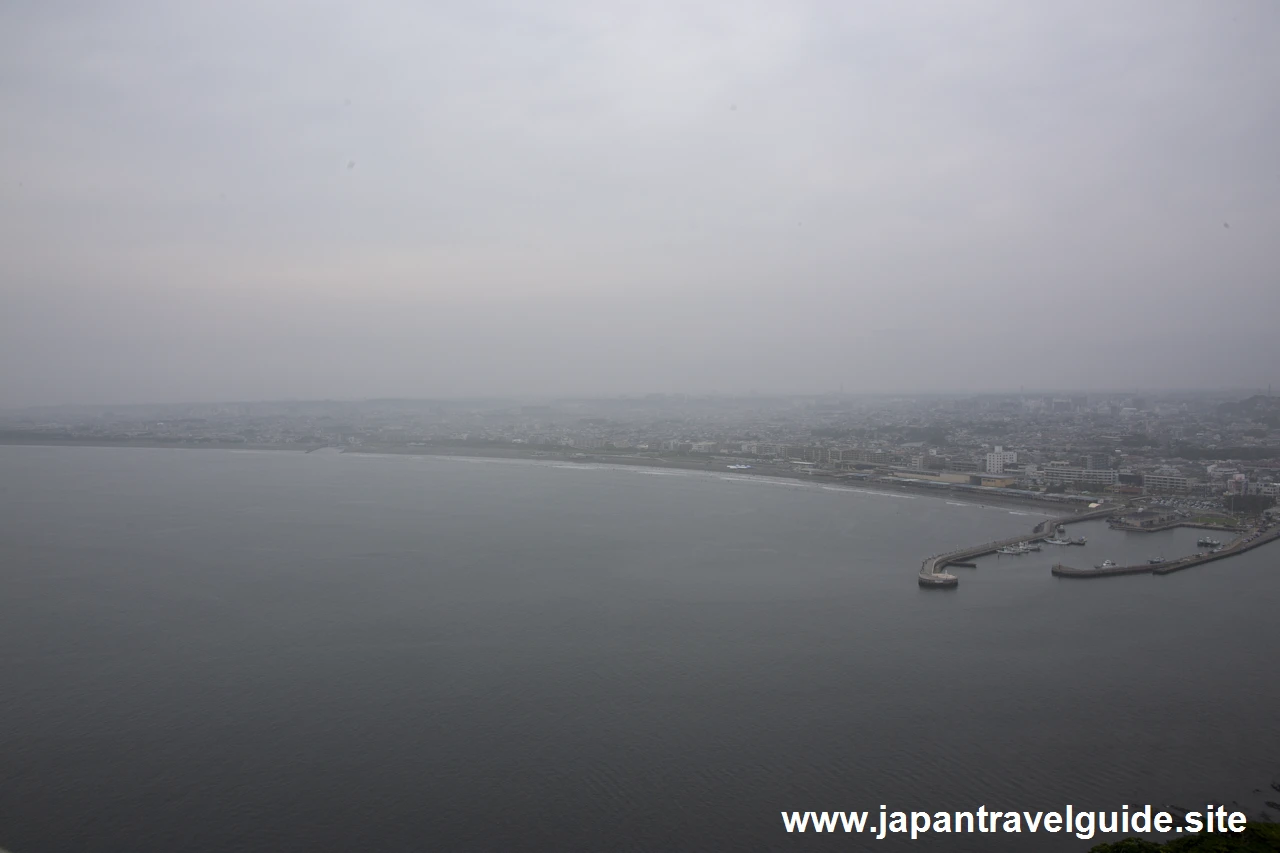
(932, 574)
(1239, 546)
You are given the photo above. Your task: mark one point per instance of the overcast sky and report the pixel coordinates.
(263, 200)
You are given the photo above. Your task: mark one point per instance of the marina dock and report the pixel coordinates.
(1239, 546)
(933, 572)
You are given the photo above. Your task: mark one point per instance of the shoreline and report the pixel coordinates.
(1042, 507)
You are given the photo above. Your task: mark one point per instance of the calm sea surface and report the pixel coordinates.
(273, 651)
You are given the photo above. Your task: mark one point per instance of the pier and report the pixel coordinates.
(1239, 546)
(932, 570)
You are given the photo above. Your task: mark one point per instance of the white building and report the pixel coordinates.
(1067, 476)
(1166, 483)
(998, 458)
(1240, 485)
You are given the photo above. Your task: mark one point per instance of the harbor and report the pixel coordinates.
(1240, 545)
(933, 574)
(933, 571)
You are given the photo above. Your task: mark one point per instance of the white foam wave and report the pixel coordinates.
(884, 494)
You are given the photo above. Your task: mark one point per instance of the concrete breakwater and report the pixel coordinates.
(1134, 528)
(1239, 546)
(932, 571)
(1062, 571)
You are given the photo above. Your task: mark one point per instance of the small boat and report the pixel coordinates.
(1155, 561)
(1032, 547)
(1207, 542)
(1080, 541)
(1106, 564)
(1057, 541)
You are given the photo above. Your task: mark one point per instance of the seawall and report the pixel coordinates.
(1240, 546)
(932, 572)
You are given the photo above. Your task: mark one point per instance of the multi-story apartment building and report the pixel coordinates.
(1166, 483)
(998, 458)
(1056, 473)
(1095, 461)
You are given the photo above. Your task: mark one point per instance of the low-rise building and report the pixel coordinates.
(1064, 475)
(1167, 483)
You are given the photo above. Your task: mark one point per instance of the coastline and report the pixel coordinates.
(1047, 508)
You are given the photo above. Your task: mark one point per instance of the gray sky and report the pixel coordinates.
(262, 200)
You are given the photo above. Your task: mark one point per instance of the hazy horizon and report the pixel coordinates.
(760, 394)
(284, 201)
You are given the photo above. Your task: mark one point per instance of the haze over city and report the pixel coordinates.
(246, 202)
(639, 426)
